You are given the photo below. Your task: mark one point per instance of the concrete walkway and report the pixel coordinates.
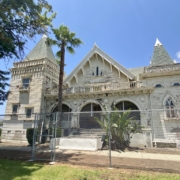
(137, 155)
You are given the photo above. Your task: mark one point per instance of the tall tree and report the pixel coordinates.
(21, 20)
(3, 84)
(65, 40)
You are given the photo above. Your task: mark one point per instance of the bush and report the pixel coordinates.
(29, 135)
(0, 132)
(58, 132)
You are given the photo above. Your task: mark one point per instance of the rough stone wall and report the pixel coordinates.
(162, 127)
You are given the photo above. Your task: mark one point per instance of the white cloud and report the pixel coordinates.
(178, 54)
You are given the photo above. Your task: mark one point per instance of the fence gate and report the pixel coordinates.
(44, 135)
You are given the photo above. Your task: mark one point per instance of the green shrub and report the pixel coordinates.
(58, 132)
(0, 132)
(29, 135)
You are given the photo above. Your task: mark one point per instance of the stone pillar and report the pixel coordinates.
(75, 120)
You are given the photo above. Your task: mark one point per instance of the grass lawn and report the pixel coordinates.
(16, 170)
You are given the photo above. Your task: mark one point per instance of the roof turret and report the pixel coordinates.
(41, 50)
(160, 56)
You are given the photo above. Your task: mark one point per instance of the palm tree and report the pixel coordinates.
(65, 40)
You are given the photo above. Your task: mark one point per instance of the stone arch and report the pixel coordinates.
(88, 102)
(166, 97)
(55, 105)
(127, 99)
(87, 116)
(125, 105)
(169, 104)
(158, 83)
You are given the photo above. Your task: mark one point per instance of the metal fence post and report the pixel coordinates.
(109, 129)
(55, 125)
(33, 144)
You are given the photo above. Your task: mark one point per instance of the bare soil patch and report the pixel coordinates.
(97, 161)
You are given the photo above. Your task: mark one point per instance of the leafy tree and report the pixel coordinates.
(65, 40)
(122, 127)
(3, 84)
(21, 20)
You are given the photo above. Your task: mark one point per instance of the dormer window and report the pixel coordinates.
(170, 108)
(97, 71)
(158, 86)
(176, 84)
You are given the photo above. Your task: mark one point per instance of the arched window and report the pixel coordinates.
(134, 111)
(158, 86)
(170, 108)
(97, 71)
(176, 84)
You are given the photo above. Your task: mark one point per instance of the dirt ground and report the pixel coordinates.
(96, 161)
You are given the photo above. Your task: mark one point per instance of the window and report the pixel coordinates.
(97, 71)
(134, 111)
(170, 111)
(176, 84)
(158, 86)
(28, 112)
(15, 108)
(26, 82)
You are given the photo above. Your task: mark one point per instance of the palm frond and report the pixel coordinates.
(70, 49)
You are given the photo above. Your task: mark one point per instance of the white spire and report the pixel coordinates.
(95, 44)
(158, 43)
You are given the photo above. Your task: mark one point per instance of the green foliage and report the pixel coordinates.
(65, 41)
(21, 20)
(22, 170)
(58, 131)
(29, 135)
(0, 132)
(122, 127)
(3, 84)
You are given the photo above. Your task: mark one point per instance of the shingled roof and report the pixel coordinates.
(41, 50)
(160, 56)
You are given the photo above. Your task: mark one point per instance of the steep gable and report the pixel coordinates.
(98, 67)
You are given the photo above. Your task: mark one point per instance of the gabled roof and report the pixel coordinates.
(160, 56)
(41, 50)
(107, 58)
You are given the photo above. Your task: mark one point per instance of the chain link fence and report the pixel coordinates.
(100, 138)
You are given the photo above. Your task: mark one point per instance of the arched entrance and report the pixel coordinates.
(65, 118)
(65, 108)
(127, 105)
(87, 116)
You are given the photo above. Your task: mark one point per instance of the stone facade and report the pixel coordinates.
(97, 80)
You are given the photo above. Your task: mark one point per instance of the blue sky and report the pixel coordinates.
(125, 29)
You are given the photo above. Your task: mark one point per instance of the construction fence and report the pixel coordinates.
(100, 138)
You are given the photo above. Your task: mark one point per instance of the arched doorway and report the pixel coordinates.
(65, 108)
(65, 119)
(127, 105)
(87, 116)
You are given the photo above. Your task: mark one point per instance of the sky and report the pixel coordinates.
(124, 29)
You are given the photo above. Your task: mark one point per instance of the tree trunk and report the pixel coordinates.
(61, 75)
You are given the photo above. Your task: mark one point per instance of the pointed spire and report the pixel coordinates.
(158, 43)
(160, 56)
(95, 45)
(41, 50)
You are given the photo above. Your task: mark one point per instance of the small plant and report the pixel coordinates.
(58, 132)
(29, 135)
(122, 127)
